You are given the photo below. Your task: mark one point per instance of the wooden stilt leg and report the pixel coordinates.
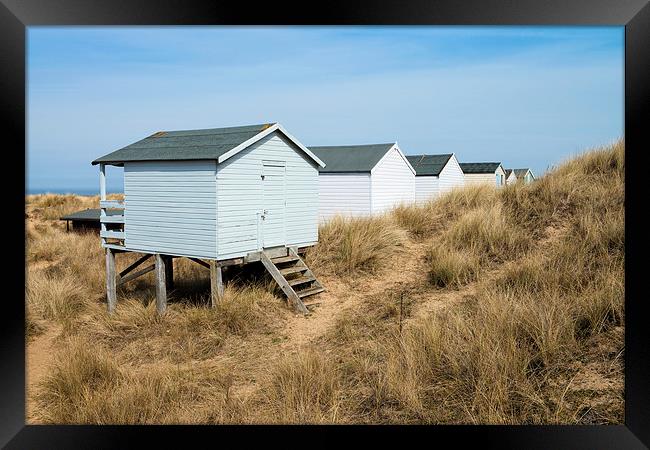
(216, 283)
(161, 286)
(111, 283)
(169, 273)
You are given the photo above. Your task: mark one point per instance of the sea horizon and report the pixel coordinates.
(74, 191)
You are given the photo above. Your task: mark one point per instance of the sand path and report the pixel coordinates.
(39, 352)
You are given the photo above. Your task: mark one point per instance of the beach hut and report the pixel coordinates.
(220, 197)
(525, 175)
(511, 177)
(362, 180)
(491, 173)
(435, 175)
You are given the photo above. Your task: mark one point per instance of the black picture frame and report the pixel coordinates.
(16, 15)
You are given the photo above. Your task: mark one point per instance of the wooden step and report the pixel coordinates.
(309, 303)
(308, 292)
(300, 280)
(284, 259)
(290, 270)
(302, 284)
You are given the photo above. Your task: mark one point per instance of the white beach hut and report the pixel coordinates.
(226, 195)
(525, 175)
(484, 173)
(361, 180)
(511, 177)
(435, 175)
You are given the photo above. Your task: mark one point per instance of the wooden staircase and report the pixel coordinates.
(294, 278)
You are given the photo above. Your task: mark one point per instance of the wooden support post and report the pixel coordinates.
(169, 272)
(161, 286)
(111, 285)
(216, 283)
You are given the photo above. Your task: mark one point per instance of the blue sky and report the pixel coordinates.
(525, 96)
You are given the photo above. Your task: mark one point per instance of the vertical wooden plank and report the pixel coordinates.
(102, 181)
(216, 283)
(219, 277)
(161, 288)
(102, 196)
(169, 272)
(111, 284)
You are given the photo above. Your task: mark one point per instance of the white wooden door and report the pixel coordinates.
(274, 203)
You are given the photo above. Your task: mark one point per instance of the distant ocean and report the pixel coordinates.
(77, 191)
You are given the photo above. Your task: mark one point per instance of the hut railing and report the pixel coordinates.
(116, 221)
(112, 226)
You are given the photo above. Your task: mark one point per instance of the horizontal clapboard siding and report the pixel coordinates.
(426, 188)
(344, 194)
(484, 178)
(393, 183)
(171, 207)
(480, 178)
(240, 197)
(451, 176)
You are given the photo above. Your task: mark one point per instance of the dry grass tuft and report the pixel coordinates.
(242, 308)
(425, 219)
(421, 220)
(86, 386)
(350, 245)
(303, 388)
(595, 179)
(53, 206)
(488, 233)
(78, 374)
(187, 330)
(54, 298)
(450, 267)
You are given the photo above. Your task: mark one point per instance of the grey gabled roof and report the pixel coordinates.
(522, 172)
(429, 164)
(184, 145)
(482, 167)
(350, 158)
(508, 172)
(91, 215)
(213, 143)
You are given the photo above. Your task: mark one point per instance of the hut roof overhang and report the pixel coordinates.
(429, 165)
(482, 167)
(355, 158)
(208, 144)
(520, 173)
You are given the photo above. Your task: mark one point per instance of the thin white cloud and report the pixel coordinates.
(527, 106)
